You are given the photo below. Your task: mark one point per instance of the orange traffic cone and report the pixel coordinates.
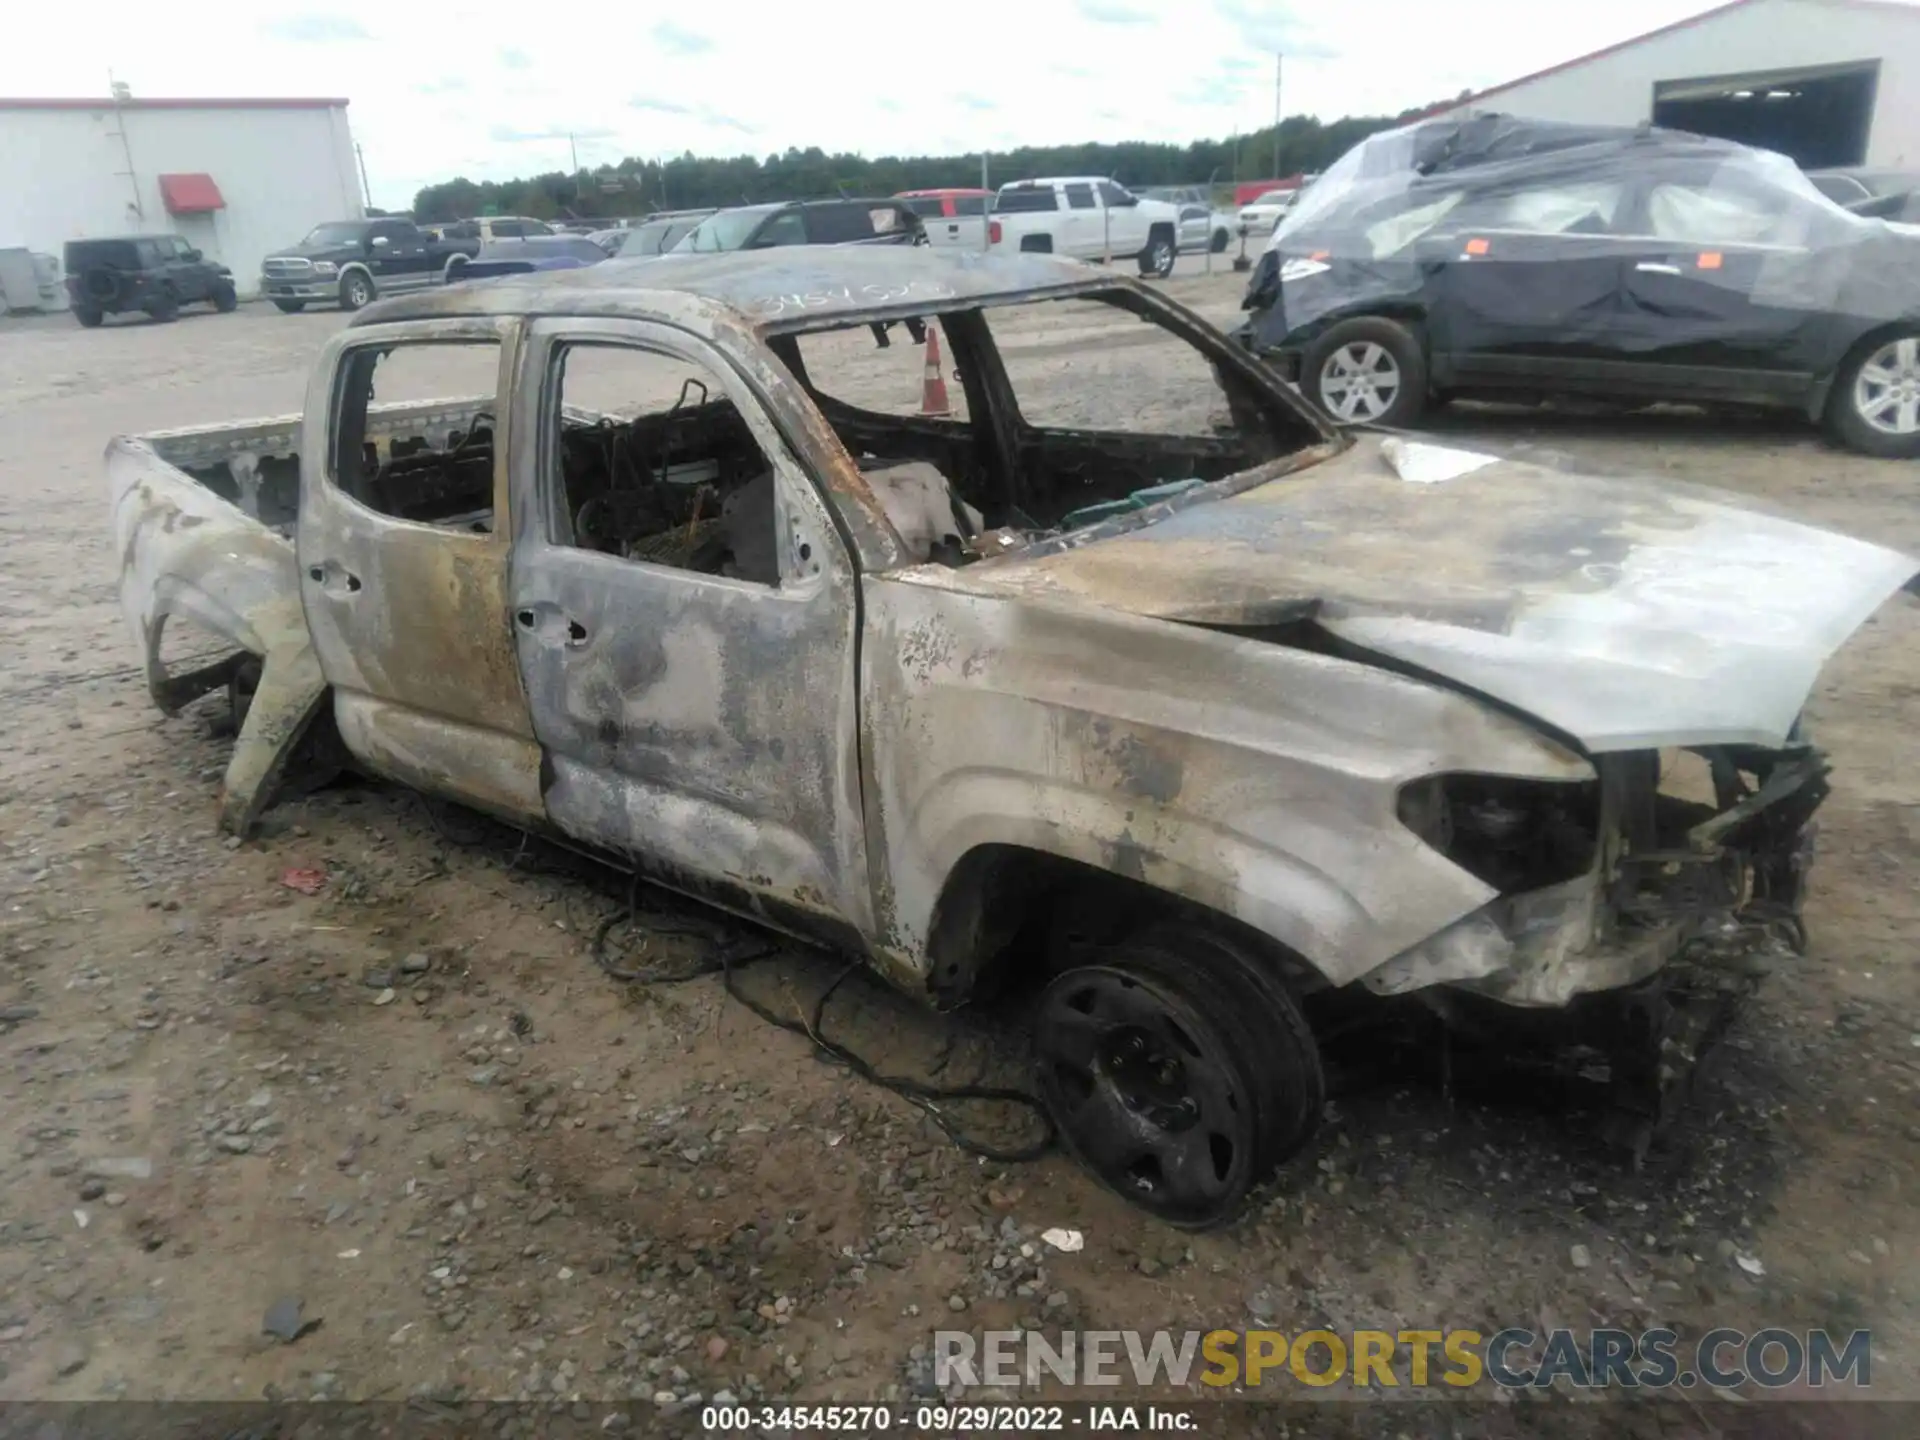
(933, 388)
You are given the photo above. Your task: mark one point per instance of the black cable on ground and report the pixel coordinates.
(928, 1098)
(728, 958)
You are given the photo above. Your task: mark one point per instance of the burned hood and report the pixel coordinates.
(1625, 613)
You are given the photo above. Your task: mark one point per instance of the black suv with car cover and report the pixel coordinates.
(1499, 258)
(154, 273)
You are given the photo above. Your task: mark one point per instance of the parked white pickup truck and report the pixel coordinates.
(1087, 218)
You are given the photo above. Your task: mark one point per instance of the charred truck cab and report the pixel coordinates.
(1187, 731)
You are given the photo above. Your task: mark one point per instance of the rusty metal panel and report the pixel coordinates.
(1258, 780)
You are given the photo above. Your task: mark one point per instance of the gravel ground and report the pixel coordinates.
(411, 1103)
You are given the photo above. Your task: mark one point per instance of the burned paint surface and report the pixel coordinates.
(1624, 613)
(1257, 780)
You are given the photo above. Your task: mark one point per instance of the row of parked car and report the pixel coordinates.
(1490, 257)
(350, 262)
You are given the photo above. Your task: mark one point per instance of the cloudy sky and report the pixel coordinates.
(493, 90)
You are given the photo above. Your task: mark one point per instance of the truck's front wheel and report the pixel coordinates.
(1157, 259)
(356, 290)
(1179, 1071)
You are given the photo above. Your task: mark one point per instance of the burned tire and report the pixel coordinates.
(356, 290)
(1179, 1071)
(1874, 407)
(88, 316)
(1370, 371)
(289, 307)
(164, 307)
(226, 299)
(1162, 251)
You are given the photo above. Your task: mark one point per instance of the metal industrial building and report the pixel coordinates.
(237, 178)
(1828, 82)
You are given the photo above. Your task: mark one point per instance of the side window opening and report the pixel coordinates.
(786, 228)
(1135, 408)
(927, 473)
(1716, 212)
(1139, 411)
(1080, 197)
(656, 464)
(1592, 208)
(402, 459)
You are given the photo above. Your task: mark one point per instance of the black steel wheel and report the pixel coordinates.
(1178, 1072)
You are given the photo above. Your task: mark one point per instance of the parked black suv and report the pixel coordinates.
(154, 273)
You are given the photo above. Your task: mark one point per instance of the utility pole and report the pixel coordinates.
(119, 93)
(986, 206)
(1279, 62)
(366, 190)
(574, 151)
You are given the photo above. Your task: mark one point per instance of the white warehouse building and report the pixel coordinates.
(1826, 82)
(236, 178)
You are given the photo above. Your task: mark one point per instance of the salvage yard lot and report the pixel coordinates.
(412, 1101)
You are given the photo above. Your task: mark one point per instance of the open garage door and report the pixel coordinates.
(1819, 115)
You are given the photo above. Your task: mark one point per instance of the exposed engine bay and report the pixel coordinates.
(1636, 911)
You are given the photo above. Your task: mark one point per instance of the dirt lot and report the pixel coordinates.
(506, 1175)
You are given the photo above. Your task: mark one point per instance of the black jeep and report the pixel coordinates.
(154, 273)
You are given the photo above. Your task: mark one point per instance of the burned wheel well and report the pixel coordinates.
(1010, 916)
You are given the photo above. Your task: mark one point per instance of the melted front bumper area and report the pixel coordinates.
(1715, 884)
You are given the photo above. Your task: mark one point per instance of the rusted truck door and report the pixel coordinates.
(402, 546)
(702, 723)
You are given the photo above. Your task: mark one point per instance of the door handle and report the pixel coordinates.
(546, 623)
(1652, 267)
(334, 579)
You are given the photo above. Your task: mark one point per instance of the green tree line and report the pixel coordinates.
(635, 187)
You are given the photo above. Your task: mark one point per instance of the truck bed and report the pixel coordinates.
(203, 524)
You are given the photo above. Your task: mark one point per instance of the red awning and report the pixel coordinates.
(190, 194)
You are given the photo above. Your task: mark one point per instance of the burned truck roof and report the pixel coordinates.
(790, 288)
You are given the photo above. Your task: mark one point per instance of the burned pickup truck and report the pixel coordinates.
(1189, 726)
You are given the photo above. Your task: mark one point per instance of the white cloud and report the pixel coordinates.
(436, 93)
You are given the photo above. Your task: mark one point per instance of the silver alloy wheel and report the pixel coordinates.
(1886, 392)
(1162, 257)
(359, 291)
(1360, 382)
